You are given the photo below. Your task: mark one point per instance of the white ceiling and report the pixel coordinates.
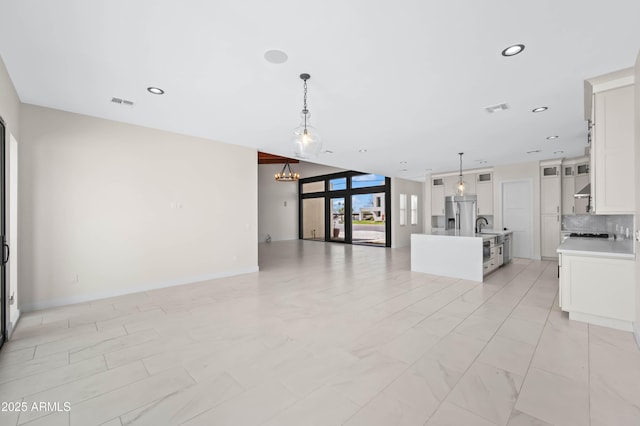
(406, 80)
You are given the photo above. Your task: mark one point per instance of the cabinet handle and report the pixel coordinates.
(558, 217)
(573, 209)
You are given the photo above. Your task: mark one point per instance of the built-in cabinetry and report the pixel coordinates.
(479, 182)
(598, 290)
(575, 177)
(437, 197)
(609, 101)
(484, 191)
(550, 202)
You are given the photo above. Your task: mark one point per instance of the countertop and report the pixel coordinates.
(496, 231)
(455, 233)
(622, 249)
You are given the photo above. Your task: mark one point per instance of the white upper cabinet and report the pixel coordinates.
(612, 150)
(437, 197)
(484, 190)
(568, 189)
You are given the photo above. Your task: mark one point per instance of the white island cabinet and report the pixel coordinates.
(597, 281)
(448, 255)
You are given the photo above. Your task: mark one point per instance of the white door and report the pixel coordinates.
(517, 207)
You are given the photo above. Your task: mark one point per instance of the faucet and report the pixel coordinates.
(479, 226)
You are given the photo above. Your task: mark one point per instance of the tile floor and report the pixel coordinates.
(325, 334)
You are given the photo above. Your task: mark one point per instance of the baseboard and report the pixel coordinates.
(636, 333)
(12, 325)
(63, 301)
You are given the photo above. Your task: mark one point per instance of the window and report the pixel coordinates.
(414, 209)
(403, 209)
(310, 187)
(363, 181)
(338, 184)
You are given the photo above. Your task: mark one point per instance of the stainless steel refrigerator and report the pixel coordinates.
(461, 212)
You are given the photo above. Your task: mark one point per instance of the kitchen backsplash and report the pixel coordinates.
(598, 223)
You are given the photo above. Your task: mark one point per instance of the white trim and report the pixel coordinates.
(601, 321)
(636, 333)
(28, 307)
(12, 325)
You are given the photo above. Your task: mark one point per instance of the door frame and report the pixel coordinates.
(529, 181)
(3, 232)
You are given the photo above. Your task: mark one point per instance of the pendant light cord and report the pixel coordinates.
(305, 111)
(460, 153)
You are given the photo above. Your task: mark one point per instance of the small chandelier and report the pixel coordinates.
(460, 186)
(306, 139)
(287, 175)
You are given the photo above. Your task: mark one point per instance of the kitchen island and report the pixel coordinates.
(597, 281)
(448, 253)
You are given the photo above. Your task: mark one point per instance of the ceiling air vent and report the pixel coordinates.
(496, 108)
(122, 102)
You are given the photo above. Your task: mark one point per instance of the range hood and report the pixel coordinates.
(584, 192)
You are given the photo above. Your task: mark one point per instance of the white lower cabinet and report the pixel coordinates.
(598, 290)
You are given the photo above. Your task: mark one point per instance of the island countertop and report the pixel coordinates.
(622, 249)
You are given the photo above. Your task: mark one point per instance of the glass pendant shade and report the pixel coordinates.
(306, 140)
(460, 187)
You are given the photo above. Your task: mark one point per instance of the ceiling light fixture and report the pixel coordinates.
(287, 175)
(155, 90)
(306, 139)
(552, 137)
(460, 186)
(534, 151)
(558, 152)
(540, 109)
(275, 56)
(513, 50)
(362, 150)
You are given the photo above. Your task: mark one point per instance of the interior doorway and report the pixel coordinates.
(517, 216)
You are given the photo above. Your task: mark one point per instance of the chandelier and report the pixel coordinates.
(287, 175)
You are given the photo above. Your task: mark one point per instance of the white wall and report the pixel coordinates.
(10, 113)
(109, 208)
(520, 171)
(274, 218)
(401, 235)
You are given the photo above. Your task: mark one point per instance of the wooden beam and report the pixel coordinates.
(265, 158)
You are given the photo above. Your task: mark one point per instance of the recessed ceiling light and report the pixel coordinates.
(155, 90)
(427, 170)
(534, 151)
(403, 162)
(327, 151)
(540, 109)
(552, 137)
(275, 56)
(513, 50)
(362, 150)
(404, 170)
(558, 152)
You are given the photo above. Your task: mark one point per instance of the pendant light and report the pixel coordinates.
(460, 186)
(287, 175)
(306, 140)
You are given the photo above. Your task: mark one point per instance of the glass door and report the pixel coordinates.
(338, 219)
(368, 221)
